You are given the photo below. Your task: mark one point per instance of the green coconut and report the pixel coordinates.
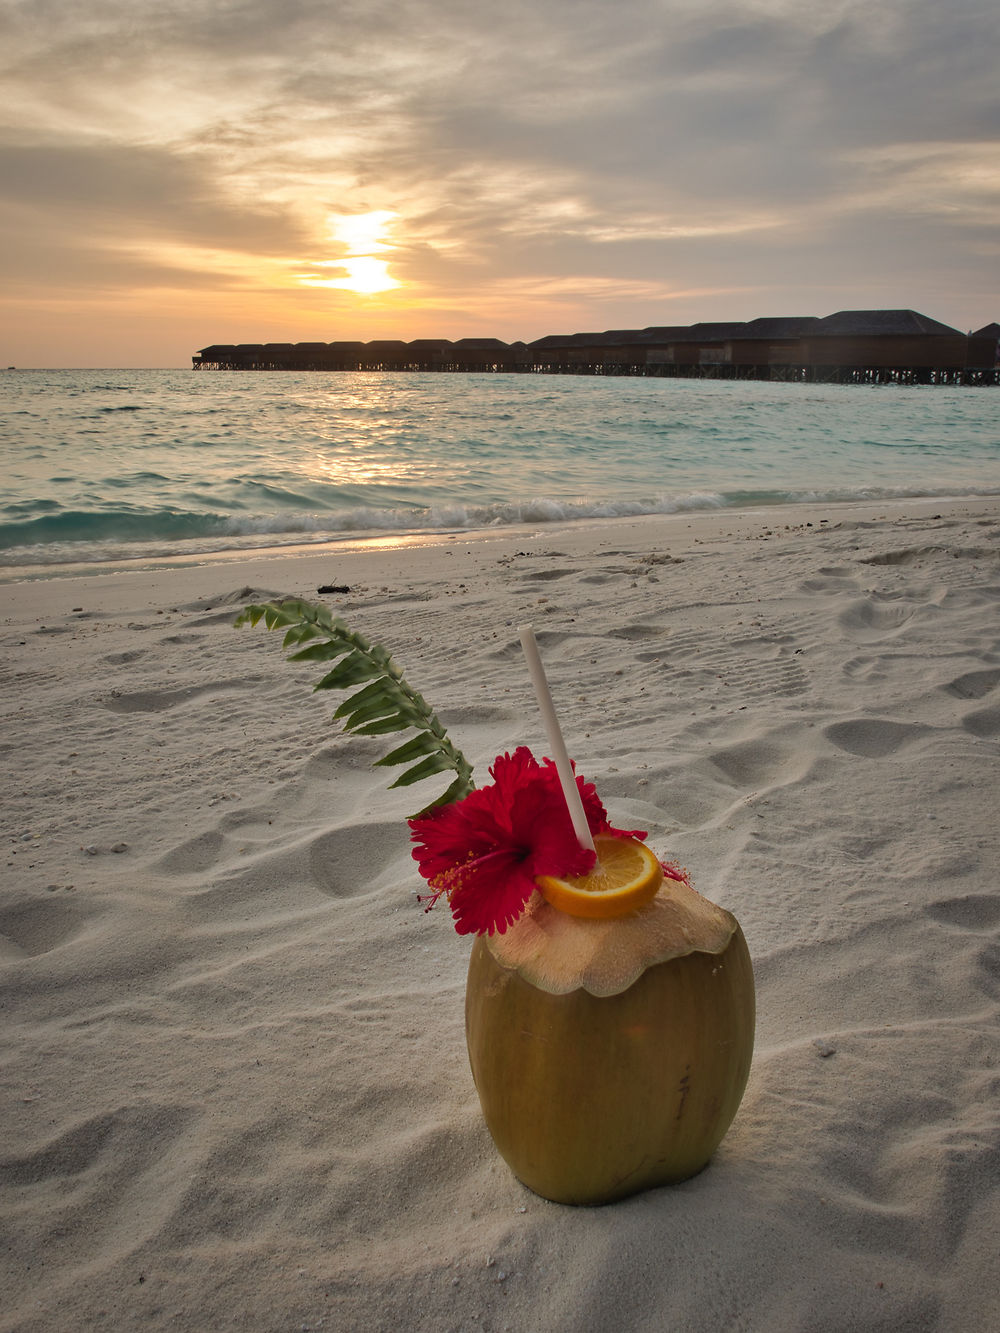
(611, 1056)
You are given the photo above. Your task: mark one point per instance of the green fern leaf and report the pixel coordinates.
(458, 789)
(321, 651)
(417, 747)
(434, 763)
(385, 703)
(384, 727)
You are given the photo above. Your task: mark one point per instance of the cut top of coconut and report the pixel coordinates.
(559, 953)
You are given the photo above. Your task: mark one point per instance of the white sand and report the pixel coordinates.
(235, 1093)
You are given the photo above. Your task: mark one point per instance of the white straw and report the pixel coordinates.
(564, 768)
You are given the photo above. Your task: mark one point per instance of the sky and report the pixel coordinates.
(176, 173)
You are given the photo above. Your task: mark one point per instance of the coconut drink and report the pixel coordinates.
(611, 1056)
(609, 1007)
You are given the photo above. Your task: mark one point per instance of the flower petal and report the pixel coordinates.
(484, 851)
(490, 900)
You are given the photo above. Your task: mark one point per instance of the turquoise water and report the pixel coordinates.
(105, 465)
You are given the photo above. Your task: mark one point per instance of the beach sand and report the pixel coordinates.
(234, 1089)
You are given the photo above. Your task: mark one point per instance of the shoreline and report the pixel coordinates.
(707, 520)
(236, 1086)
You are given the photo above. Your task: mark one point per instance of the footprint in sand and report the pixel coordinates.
(871, 619)
(830, 580)
(366, 1011)
(135, 1160)
(544, 575)
(974, 684)
(30, 928)
(989, 965)
(220, 847)
(607, 577)
(759, 764)
(976, 911)
(639, 632)
(224, 609)
(965, 598)
(344, 758)
(865, 668)
(123, 659)
(158, 701)
(237, 599)
(216, 618)
(350, 861)
(984, 722)
(873, 738)
(193, 857)
(547, 639)
(703, 791)
(471, 715)
(121, 1140)
(911, 555)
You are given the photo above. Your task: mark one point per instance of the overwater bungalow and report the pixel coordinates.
(850, 346)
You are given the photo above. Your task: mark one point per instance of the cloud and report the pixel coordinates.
(106, 216)
(100, 186)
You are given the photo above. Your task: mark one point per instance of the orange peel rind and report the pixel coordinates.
(626, 877)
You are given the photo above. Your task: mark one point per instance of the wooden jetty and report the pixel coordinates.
(849, 347)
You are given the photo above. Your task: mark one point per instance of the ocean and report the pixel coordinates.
(105, 466)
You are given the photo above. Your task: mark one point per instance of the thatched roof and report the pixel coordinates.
(567, 340)
(780, 326)
(717, 332)
(663, 333)
(879, 323)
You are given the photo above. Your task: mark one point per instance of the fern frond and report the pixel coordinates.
(385, 703)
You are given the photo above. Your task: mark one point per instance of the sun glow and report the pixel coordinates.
(362, 232)
(365, 275)
(363, 236)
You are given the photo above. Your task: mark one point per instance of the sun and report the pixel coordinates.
(365, 275)
(362, 234)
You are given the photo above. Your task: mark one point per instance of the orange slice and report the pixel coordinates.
(626, 877)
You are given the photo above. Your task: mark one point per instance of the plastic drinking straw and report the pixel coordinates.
(564, 768)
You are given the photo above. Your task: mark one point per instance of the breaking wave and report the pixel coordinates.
(114, 534)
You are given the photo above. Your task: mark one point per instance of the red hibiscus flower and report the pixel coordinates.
(484, 852)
